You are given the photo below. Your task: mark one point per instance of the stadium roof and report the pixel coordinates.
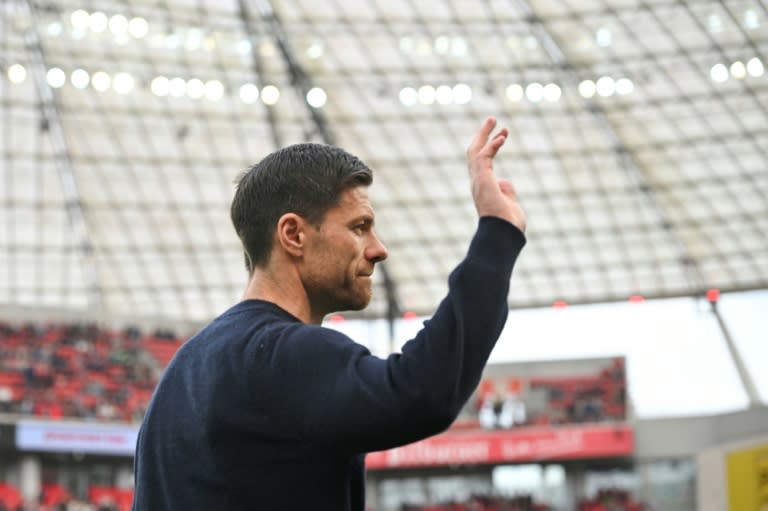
(639, 135)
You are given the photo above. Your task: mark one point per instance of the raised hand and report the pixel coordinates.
(492, 196)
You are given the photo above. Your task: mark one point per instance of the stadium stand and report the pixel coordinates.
(486, 503)
(54, 371)
(54, 497)
(607, 499)
(504, 403)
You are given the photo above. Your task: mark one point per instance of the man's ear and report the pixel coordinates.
(291, 233)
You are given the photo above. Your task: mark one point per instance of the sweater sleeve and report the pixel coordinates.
(345, 397)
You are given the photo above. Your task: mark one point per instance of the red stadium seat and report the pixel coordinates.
(10, 496)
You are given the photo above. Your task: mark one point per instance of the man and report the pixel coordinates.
(264, 409)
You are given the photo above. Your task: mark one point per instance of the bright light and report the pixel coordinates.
(244, 47)
(587, 89)
(17, 73)
(316, 97)
(56, 77)
(750, 19)
(515, 92)
(755, 67)
(534, 92)
(80, 78)
(55, 29)
(123, 83)
(423, 46)
(214, 90)
(738, 70)
(406, 44)
(194, 39)
(444, 95)
(209, 43)
(138, 27)
(118, 24)
(442, 44)
(462, 93)
(408, 96)
(249, 93)
(531, 42)
(177, 87)
(98, 21)
(715, 23)
(195, 88)
(606, 86)
(101, 81)
(603, 37)
(458, 47)
(426, 94)
(552, 92)
(718, 73)
(80, 19)
(172, 41)
(270, 95)
(624, 86)
(315, 51)
(160, 86)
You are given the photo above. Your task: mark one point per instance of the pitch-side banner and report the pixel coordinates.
(522, 445)
(108, 439)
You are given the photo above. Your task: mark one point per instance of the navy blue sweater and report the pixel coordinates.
(259, 411)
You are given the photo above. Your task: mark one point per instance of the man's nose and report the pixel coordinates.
(376, 251)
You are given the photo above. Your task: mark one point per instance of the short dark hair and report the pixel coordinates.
(306, 179)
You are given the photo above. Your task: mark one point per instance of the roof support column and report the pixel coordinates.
(51, 122)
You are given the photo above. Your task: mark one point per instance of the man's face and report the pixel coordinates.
(340, 256)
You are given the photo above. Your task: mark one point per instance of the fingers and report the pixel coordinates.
(481, 137)
(480, 143)
(498, 141)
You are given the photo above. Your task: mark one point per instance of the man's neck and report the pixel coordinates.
(284, 291)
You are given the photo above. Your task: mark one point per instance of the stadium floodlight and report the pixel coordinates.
(177, 87)
(427, 94)
(462, 93)
(587, 89)
(515, 92)
(270, 95)
(738, 70)
(118, 24)
(123, 83)
(316, 97)
(249, 93)
(552, 92)
(195, 88)
(408, 96)
(98, 21)
(606, 86)
(17, 73)
(138, 27)
(444, 95)
(624, 86)
(80, 78)
(214, 90)
(755, 67)
(56, 77)
(101, 81)
(718, 73)
(160, 86)
(80, 19)
(534, 91)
